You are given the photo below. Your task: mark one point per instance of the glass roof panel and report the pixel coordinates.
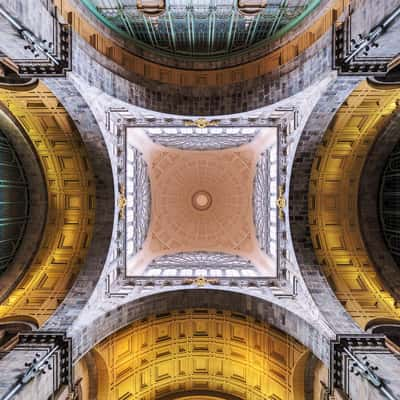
(200, 27)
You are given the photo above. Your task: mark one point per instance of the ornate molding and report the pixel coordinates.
(122, 201)
(202, 123)
(281, 202)
(201, 260)
(201, 281)
(118, 120)
(194, 140)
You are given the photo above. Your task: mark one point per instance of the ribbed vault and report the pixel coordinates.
(199, 350)
(71, 204)
(333, 203)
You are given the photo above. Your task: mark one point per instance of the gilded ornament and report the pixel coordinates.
(122, 202)
(281, 202)
(202, 123)
(201, 281)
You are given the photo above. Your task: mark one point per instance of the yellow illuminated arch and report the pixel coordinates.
(333, 203)
(207, 350)
(71, 203)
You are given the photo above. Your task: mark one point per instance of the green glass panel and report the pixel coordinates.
(200, 28)
(14, 202)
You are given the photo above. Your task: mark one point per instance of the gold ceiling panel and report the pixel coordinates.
(199, 350)
(71, 203)
(333, 203)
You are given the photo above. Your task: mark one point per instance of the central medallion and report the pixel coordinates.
(201, 200)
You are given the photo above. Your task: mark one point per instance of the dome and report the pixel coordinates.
(201, 28)
(13, 202)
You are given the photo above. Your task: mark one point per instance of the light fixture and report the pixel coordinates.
(152, 8)
(251, 8)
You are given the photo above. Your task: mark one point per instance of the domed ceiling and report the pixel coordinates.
(13, 202)
(197, 28)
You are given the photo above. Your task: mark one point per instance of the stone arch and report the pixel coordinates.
(25, 319)
(10, 327)
(70, 195)
(197, 348)
(275, 72)
(312, 135)
(386, 326)
(238, 97)
(96, 148)
(332, 209)
(86, 333)
(46, 110)
(298, 376)
(98, 380)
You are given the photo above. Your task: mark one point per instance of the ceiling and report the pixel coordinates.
(170, 355)
(201, 27)
(196, 209)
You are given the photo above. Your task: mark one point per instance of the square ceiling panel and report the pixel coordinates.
(201, 202)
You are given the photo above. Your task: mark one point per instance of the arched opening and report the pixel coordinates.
(333, 198)
(10, 328)
(70, 197)
(388, 327)
(199, 353)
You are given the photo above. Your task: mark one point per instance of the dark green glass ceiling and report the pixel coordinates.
(390, 203)
(201, 27)
(13, 202)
